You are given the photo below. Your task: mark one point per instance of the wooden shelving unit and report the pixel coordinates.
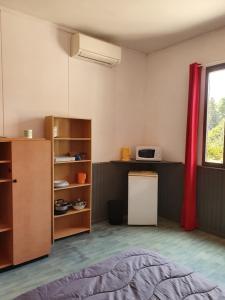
(71, 139)
(5, 205)
(72, 186)
(5, 180)
(5, 161)
(4, 228)
(72, 162)
(72, 212)
(73, 136)
(68, 231)
(5, 262)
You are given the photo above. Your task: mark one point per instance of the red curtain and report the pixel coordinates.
(189, 218)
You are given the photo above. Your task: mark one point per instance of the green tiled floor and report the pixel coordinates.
(198, 250)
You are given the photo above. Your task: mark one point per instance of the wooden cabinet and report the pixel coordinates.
(70, 137)
(25, 200)
(6, 222)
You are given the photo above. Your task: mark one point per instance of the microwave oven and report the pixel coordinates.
(148, 153)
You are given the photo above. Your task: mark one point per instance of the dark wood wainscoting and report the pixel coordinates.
(211, 200)
(110, 182)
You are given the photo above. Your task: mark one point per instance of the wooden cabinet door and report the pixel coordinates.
(31, 173)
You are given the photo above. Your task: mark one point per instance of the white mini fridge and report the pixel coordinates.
(142, 198)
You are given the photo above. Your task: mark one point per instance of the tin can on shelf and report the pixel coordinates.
(28, 133)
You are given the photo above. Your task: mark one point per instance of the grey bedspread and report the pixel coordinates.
(132, 275)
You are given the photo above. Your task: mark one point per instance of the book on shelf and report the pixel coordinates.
(64, 158)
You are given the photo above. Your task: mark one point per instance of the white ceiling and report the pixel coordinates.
(144, 25)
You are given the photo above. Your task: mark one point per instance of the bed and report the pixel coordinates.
(132, 275)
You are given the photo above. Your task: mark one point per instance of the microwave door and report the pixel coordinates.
(146, 153)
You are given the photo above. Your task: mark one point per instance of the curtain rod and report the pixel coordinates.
(216, 62)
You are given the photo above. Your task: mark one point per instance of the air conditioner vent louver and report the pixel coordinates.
(95, 50)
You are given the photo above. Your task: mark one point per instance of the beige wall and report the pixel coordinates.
(167, 92)
(130, 94)
(39, 79)
(92, 95)
(141, 101)
(35, 73)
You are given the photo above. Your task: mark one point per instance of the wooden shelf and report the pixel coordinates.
(4, 228)
(4, 139)
(69, 231)
(72, 186)
(5, 180)
(5, 204)
(5, 161)
(72, 212)
(71, 139)
(71, 162)
(72, 136)
(5, 262)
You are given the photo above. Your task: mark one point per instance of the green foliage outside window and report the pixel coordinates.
(215, 130)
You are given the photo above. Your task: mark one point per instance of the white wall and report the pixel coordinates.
(39, 79)
(167, 93)
(130, 94)
(141, 101)
(35, 73)
(92, 95)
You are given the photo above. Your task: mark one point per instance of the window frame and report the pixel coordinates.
(204, 162)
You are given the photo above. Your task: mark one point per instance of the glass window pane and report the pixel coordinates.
(215, 117)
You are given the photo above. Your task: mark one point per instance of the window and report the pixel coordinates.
(213, 143)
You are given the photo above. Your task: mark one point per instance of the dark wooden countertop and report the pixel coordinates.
(133, 161)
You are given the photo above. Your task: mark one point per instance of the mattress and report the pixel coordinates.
(132, 275)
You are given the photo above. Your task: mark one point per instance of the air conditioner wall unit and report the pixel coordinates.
(95, 50)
